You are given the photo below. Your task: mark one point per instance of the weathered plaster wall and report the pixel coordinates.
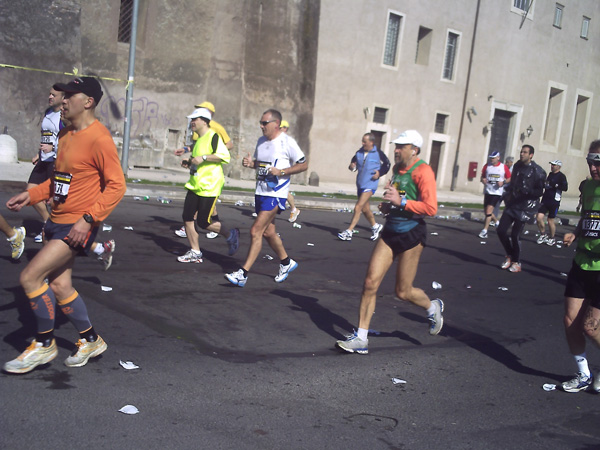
(243, 56)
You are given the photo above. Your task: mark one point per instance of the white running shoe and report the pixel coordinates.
(294, 215)
(190, 257)
(345, 235)
(376, 230)
(211, 235)
(237, 278)
(181, 232)
(284, 271)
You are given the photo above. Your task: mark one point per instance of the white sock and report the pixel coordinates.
(99, 249)
(431, 309)
(582, 364)
(197, 252)
(362, 333)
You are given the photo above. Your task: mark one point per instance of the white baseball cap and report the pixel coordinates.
(556, 162)
(200, 112)
(409, 137)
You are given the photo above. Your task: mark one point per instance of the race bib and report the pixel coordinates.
(401, 191)
(590, 225)
(47, 137)
(262, 171)
(493, 178)
(62, 182)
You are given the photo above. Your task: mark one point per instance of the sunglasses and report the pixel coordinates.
(264, 123)
(593, 159)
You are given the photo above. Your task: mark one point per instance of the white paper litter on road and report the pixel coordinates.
(562, 274)
(483, 242)
(549, 387)
(106, 288)
(128, 365)
(297, 225)
(526, 232)
(128, 228)
(434, 234)
(398, 381)
(436, 285)
(106, 227)
(310, 244)
(502, 288)
(129, 409)
(269, 257)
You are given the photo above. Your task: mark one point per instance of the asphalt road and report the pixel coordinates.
(224, 367)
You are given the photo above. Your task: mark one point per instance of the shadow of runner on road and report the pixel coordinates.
(489, 347)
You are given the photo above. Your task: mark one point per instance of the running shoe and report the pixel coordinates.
(190, 257)
(107, 256)
(233, 241)
(284, 271)
(483, 234)
(515, 267)
(35, 355)
(86, 350)
(181, 232)
(596, 385)
(436, 319)
(345, 235)
(17, 243)
(294, 213)
(353, 344)
(506, 264)
(543, 238)
(550, 241)
(39, 238)
(210, 235)
(376, 230)
(580, 383)
(493, 223)
(237, 278)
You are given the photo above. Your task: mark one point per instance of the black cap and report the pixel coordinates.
(87, 85)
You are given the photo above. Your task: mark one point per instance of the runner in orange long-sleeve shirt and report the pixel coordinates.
(87, 185)
(410, 195)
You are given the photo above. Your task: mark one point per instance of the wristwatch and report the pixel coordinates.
(203, 157)
(88, 218)
(283, 173)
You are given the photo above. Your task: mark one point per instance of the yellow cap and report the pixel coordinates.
(207, 105)
(284, 124)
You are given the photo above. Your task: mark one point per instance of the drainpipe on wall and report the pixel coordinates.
(129, 96)
(464, 107)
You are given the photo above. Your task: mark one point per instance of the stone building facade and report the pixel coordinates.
(472, 76)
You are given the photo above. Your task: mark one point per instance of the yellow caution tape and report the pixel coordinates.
(74, 73)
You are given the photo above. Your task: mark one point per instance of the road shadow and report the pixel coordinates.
(330, 230)
(461, 255)
(323, 318)
(488, 347)
(167, 243)
(20, 338)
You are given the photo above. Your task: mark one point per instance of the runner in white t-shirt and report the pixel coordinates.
(493, 176)
(276, 157)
